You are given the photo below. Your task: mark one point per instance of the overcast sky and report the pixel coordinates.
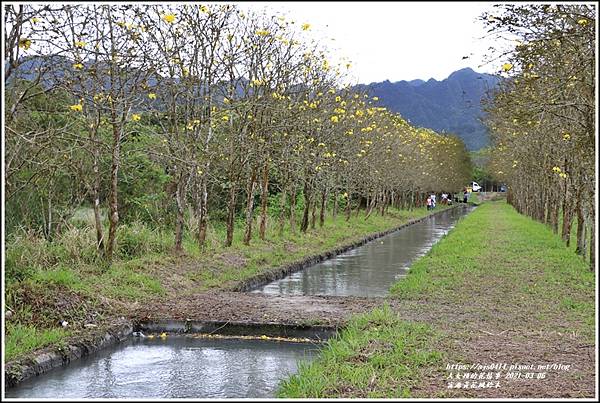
(396, 40)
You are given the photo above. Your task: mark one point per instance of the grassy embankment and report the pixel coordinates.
(495, 270)
(64, 280)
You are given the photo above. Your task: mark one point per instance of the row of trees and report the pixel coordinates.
(543, 118)
(227, 109)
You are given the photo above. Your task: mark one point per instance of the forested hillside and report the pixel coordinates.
(452, 105)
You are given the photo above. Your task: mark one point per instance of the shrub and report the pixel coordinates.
(135, 239)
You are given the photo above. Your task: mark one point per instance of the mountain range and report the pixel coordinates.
(452, 105)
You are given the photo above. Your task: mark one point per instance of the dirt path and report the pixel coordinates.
(256, 307)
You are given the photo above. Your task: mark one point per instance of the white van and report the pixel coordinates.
(475, 186)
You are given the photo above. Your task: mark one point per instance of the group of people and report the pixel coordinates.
(431, 200)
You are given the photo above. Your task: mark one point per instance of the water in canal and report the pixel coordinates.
(178, 367)
(371, 269)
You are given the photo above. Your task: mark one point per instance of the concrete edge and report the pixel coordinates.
(270, 329)
(277, 273)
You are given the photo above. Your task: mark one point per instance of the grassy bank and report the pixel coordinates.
(63, 280)
(496, 276)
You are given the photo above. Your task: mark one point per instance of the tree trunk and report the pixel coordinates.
(249, 207)
(322, 211)
(96, 194)
(372, 204)
(348, 207)
(313, 215)
(383, 202)
(581, 233)
(335, 204)
(566, 227)
(293, 210)
(180, 201)
(307, 199)
(264, 199)
(203, 211)
(231, 214)
(113, 201)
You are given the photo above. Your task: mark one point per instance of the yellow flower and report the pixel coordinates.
(225, 118)
(262, 32)
(321, 145)
(582, 22)
(76, 107)
(334, 119)
(226, 101)
(507, 67)
(24, 43)
(204, 9)
(562, 175)
(566, 136)
(556, 169)
(305, 27)
(152, 95)
(375, 98)
(35, 20)
(170, 18)
(80, 44)
(135, 117)
(78, 66)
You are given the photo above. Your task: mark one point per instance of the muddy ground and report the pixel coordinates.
(256, 307)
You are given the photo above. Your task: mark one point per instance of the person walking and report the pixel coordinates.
(465, 196)
(429, 203)
(433, 200)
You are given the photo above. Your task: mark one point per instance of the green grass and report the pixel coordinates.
(376, 356)
(474, 198)
(500, 265)
(23, 338)
(525, 254)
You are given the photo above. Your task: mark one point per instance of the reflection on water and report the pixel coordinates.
(371, 269)
(176, 368)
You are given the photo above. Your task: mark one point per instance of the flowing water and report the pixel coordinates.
(371, 269)
(178, 367)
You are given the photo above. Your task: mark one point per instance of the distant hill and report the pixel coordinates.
(452, 105)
